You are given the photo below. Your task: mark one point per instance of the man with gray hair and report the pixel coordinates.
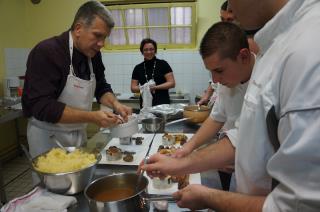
(63, 75)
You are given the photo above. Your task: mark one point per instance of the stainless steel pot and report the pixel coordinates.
(138, 201)
(67, 182)
(152, 125)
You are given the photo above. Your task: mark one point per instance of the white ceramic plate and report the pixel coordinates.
(140, 150)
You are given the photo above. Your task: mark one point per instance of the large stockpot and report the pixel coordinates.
(67, 182)
(196, 114)
(138, 201)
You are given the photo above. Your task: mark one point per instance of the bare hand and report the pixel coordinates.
(228, 169)
(204, 100)
(153, 88)
(183, 151)
(193, 197)
(105, 119)
(123, 110)
(160, 165)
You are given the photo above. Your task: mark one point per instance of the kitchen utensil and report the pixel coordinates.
(67, 182)
(176, 121)
(145, 161)
(195, 114)
(152, 125)
(118, 193)
(53, 137)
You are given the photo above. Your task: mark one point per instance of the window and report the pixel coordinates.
(171, 25)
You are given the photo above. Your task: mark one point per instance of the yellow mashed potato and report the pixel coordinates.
(58, 160)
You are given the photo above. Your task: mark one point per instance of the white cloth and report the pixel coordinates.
(77, 93)
(227, 107)
(286, 75)
(40, 200)
(146, 94)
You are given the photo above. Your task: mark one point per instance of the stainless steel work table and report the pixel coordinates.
(206, 178)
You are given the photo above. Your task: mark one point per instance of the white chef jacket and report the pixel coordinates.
(287, 75)
(227, 107)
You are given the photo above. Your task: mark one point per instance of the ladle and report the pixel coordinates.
(53, 137)
(145, 161)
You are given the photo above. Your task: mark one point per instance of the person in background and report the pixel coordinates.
(63, 75)
(226, 15)
(276, 157)
(155, 70)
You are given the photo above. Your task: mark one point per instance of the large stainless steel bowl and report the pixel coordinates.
(152, 125)
(67, 182)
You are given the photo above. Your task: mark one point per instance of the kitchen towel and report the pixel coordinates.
(39, 200)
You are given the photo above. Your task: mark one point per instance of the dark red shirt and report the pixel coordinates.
(47, 70)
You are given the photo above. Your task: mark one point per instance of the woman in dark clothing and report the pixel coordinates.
(154, 69)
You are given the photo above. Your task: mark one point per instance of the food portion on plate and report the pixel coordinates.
(182, 180)
(114, 153)
(169, 139)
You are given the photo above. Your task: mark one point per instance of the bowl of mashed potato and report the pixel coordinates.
(66, 172)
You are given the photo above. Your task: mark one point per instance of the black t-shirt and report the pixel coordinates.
(157, 68)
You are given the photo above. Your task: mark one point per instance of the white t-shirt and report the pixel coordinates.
(227, 107)
(287, 76)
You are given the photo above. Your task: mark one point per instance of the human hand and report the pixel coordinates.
(204, 99)
(194, 197)
(123, 110)
(153, 88)
(160, 165)
(105, 119)
(185, 150)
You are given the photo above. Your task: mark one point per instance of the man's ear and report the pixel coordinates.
(244, 55)
(77, 29)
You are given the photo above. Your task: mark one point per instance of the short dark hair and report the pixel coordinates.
(145, 41)
(225, 38)
(224, 6)
(88, 12)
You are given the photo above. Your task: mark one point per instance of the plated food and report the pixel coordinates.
(58, 160)
(182, 180)
(174, 138)
(113, 153)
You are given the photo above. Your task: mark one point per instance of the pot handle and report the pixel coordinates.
(157, 197)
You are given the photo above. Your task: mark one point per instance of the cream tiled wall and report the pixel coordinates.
(189, 71)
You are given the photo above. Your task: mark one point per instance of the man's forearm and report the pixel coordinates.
(109, 100)
(228, 201)
(214, 156)
(72, 115)
(206, 132)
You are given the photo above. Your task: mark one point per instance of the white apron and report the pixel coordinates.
(77, 93)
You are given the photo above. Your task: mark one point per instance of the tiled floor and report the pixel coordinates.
(17, 177)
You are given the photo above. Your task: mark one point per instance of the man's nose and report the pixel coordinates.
(215, 78)
(101, 43)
